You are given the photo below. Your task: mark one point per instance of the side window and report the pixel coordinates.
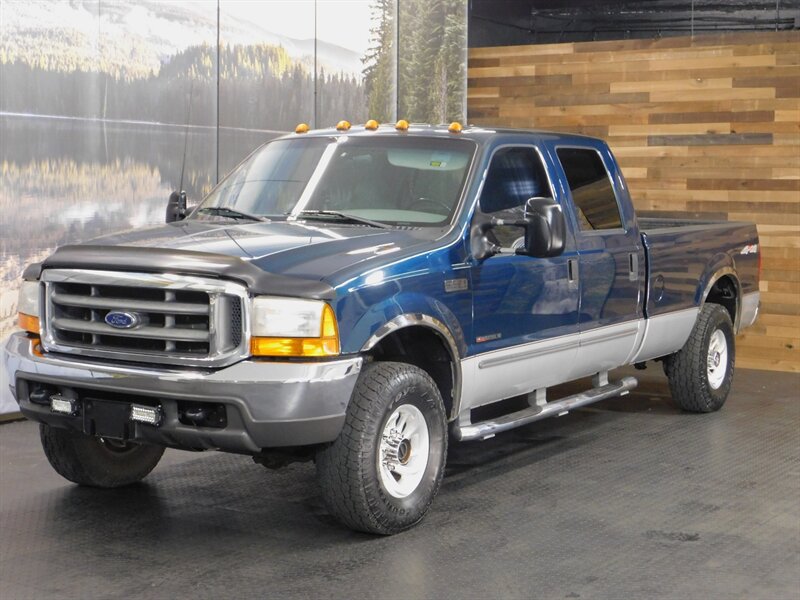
(592, 193)
(514, 175)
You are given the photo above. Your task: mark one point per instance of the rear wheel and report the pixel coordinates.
(97, 462)
(700, 374)
(384, 470)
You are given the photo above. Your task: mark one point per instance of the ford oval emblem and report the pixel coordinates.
(122, 320)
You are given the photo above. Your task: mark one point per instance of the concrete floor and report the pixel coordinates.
(628, 498)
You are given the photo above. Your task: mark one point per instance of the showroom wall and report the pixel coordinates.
(705, 126)
(99, 101)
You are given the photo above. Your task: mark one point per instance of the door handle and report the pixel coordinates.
(572, 270)
(633, 265)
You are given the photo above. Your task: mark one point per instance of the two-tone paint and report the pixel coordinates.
(512, 324)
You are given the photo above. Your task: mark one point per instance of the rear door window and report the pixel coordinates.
(592, 193)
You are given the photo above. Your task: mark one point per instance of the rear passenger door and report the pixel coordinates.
(610, 263)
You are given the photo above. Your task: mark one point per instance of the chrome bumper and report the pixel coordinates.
(268, 404)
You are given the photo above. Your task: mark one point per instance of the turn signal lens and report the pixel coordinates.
(28, 323)
(343, 125)
(401, 125)
(455, 127)
(302, 128)
(327, 344)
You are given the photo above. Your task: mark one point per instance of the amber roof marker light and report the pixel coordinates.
(372, 125)
(343, 125)
(455, 127)
(401, 125)
(302, 128)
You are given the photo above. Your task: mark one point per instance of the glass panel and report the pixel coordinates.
(345, 53)
(266, 82)
(592, 193)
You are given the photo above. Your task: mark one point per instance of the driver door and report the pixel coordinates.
(525, 309)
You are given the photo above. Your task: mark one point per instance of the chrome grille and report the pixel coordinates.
(176, 319)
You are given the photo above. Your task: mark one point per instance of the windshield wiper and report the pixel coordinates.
(223, 211)
(344, 217)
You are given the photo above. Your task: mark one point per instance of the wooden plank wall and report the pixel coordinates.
(706, 126)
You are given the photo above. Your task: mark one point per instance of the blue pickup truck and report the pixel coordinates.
(357, 296)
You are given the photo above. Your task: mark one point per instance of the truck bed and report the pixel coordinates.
(682, 255)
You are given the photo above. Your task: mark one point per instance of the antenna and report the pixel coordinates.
(186, 135)
(176, 205)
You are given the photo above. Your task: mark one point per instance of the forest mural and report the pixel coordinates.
(99, 101)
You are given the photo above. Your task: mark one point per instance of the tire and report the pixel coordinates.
(355, 471)
(96, 462)
(700, 374)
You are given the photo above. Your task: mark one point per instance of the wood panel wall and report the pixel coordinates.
(706, 126)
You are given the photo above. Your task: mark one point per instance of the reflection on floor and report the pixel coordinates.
(626, 498)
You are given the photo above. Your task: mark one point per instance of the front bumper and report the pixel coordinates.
(268, 404)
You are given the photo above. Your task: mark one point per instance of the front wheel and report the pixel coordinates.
(700, 373)
(97, 462)
(383, 471)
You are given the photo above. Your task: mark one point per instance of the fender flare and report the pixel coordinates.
(406, 320)
(719, 273)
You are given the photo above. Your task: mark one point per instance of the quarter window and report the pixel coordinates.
(592, 194)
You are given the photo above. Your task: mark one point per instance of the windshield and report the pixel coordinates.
(389, 180)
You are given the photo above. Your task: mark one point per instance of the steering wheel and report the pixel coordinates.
(421, 203)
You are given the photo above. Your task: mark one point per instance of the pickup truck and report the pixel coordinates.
(357, 296)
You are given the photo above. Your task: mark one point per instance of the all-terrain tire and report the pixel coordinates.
(696, 383)
(354, 480)
(95, 462)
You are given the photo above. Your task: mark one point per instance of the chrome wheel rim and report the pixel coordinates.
(717, 359)
(403, 451)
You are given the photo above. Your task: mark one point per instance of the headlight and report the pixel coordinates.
(293, 327)
(28, 306)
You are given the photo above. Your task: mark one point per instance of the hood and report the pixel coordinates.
(307, 250)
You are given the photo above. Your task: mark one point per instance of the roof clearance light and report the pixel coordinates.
(372, 125)
(343, 125)
(401, 125)
(302, 128)
(455, 127)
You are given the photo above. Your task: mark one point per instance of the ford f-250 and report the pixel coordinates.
(352, 295)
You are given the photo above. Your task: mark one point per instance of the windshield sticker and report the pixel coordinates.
(440, 159)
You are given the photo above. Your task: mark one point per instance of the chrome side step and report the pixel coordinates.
(487, 429)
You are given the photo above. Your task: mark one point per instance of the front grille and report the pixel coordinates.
(178, 320)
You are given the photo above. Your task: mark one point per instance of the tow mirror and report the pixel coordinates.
(545, 229)
(545, 232)
(176, 207)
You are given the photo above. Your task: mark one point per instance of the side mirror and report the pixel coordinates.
(176, 207)
(545, 232)
(545, 228)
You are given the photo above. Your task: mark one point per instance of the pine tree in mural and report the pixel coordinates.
(379, 62)
(431, 73)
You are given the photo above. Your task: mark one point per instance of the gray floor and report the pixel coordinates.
(628, 498)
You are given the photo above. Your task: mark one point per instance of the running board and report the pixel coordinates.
(487, 429)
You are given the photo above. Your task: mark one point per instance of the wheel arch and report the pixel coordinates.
(426, 342)
(725, 289)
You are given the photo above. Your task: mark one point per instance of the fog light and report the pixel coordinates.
(64, 406)
(146, 414)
